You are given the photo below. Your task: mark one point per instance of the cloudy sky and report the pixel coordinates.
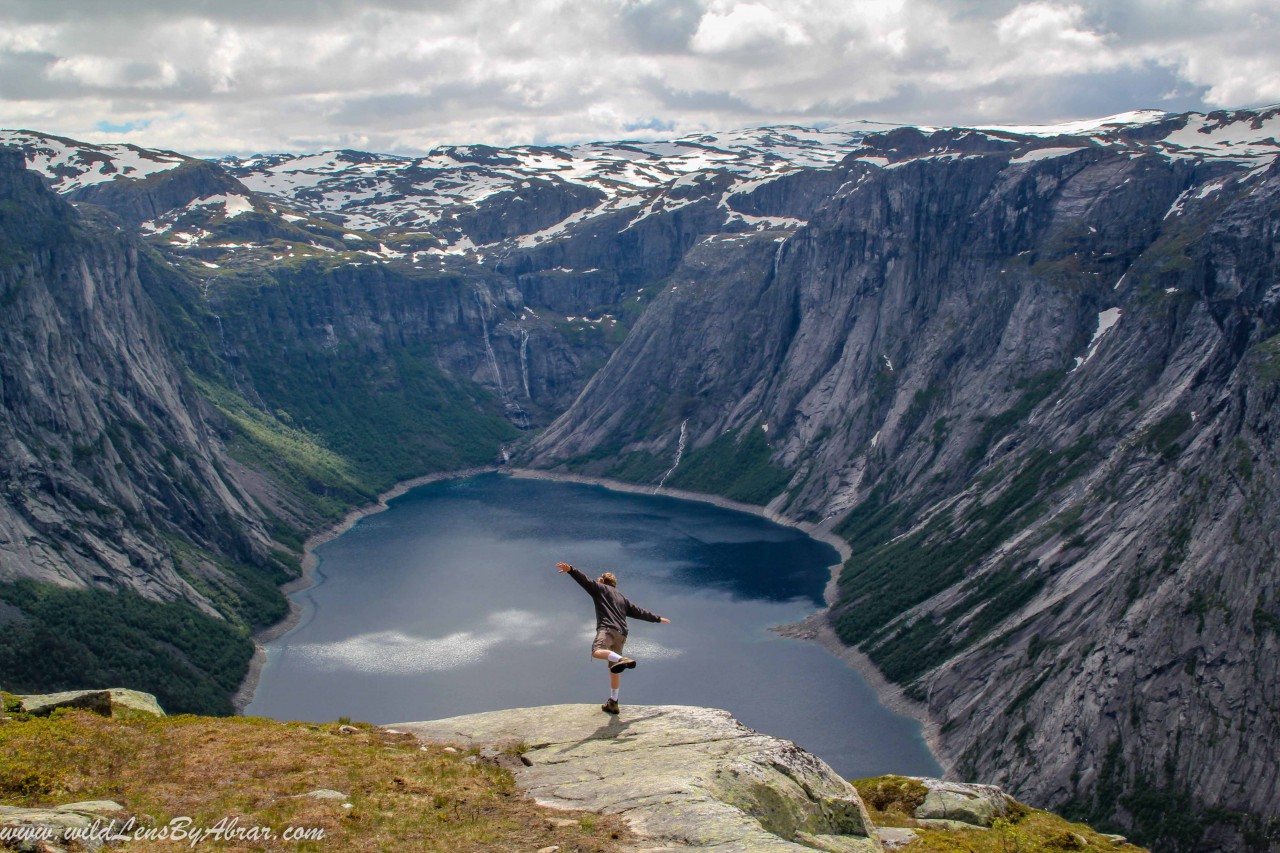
(244, 76)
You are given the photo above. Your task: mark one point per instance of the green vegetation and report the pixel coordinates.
(921, 403)
(346, 426)
(735, 466)
(388, 416)
(875, 520)
(1264, 621)
(892, 800)
(1264, 358)
(611, 452)
(247, 595)
(1162, 816)
(998, 595)
(638, 467)
(1170, 257)
(73, 639)
(1162, 436)
(1034, 390)
(893, 569)
(1165, 817)
(291, 455)
(255, 771)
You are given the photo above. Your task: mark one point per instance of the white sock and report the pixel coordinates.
(613, 694)
(614, 657)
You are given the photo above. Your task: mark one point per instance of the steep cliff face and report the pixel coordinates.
(1034, 386)
(320, 340)
(107, 448)
(1144, 628)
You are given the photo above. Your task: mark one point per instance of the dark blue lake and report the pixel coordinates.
(449, 603)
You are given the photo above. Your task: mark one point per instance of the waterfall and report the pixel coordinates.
(684, 432)
(488, 347)
(518, 415)
(222, 335)
(524, 360)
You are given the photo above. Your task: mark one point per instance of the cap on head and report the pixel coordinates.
(609, 579)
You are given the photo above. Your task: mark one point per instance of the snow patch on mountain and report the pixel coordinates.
(234, 205)
(1132, 118)
(1106, 321)
(447, 190)
(1043, 154)
(70, 165)
(374, 190)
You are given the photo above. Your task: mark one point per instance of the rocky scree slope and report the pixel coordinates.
(1033, 382)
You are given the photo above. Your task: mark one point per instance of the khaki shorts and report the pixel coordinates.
(610, 640)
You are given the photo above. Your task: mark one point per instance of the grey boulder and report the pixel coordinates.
(962, 802)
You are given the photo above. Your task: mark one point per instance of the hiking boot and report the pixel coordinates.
(610, 707)
(621, 664)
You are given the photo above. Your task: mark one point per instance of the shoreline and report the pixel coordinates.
(249, 684)
(814, 628)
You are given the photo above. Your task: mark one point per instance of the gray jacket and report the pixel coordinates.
(612, 607)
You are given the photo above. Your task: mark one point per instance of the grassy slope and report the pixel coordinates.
(402, 796)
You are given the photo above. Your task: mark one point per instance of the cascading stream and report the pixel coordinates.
(524, 361)
(512, 407)
(684, 432)
(488, 346)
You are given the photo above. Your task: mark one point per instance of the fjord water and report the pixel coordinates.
(449, 603)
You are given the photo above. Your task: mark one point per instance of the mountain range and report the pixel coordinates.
(1029, 373)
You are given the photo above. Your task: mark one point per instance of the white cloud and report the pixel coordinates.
(732, 27)
(640, 648)
(105, 72)
(1043, 25)
(398, 653)
(400, 75)
(26, 38)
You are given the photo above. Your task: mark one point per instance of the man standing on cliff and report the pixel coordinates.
(612, 610)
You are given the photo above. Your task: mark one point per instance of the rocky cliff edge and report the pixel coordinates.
(685, 778)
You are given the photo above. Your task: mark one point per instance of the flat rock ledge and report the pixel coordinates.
(684, 778)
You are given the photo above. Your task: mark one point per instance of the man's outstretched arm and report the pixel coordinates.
(646, 615)
(583, 581)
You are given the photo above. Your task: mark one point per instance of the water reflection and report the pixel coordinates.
(449, 603)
